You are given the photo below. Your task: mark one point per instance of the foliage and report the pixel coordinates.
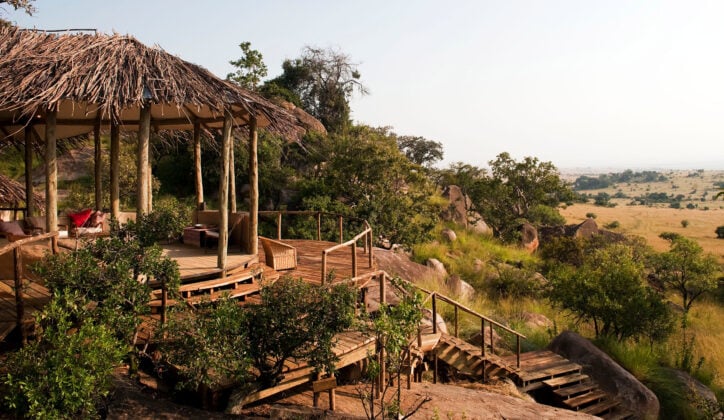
(250, 68)
(686, 270)
(609, 289)
(612, 225)
(603, 199)
(512, 282)
(366, 176)
(67, 371)
(208, 345)
(684, 223)
(512, 189)
(420, 150)
(26, 5)
(591, 215)
(542, 215)
(606, 180)
(393, 326)
(296, 320)
(720, 232)
(324, 81)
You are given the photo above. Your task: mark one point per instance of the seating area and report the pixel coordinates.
(279, 256)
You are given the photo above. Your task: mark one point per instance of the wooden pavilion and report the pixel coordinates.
(58, 86)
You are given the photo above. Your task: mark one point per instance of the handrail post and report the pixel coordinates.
(54, 244)
(456, 321)
(383, 291)
(19, 304)
(319, 225)
(341, 231)
(354, 259)
(369, 257)
(517, 354)
(482, 335)
(434, 313)
(324, 266)
(279, 226)
(492, 348)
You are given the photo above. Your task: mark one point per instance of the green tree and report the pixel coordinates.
(322, 81)
(420, 150)
(609, 290)
(250, 68)
(26, 5)
(686, 270)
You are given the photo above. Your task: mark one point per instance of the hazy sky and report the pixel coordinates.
(580, 83)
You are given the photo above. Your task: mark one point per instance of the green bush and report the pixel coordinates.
(720, 232)
(684, 223)
(613, 225)
(66, 372)
(591, 215)
(511, 282)
(542, 215)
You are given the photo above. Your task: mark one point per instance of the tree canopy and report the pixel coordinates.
(250, 68)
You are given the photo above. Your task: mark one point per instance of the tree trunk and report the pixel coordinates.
(115, 169)
(224, 191)
(51, 174)
(253, 188)
(197, 166)
(144, 133)
(98, 164)
(29, 203)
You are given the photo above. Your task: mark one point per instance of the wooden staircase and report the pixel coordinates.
(552, 378)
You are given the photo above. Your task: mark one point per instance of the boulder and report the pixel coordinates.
(457, 211)
(478, 265)
(460, 287)
(701, 399)
(426, 322)
(536, 321)
(438, 266)
(478, 225)
(476, 339)
(528, 237)
(449, 235)
(611, 377)
(399, 264)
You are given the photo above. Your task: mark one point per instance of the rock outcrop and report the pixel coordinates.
(457, 211)
(438, 266)
(397, 263)
(449, 235)
(611, 377)
(701, 399)
(460, 287)
(426, 322)
(528, 237)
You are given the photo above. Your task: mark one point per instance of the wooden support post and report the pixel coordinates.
(383, 289)
(115, 169)
(434, 372)
(51, 173)
(224, 191)
(324, 267)
(253, 187)
(232, 178)
(492, 348)
(149, 184)
(370, 256)
(354, 259)
(482, 335)
(29, 202)
(434, 313)
(456, 321)
(198, 179)
(279, 226)
(19, 304)
(164, 302)
(144, 138)
(54, 244)
(98, 163)
(517, 353)
(341, 231)
(319, 226)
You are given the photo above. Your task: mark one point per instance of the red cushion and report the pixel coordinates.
(79, 219)
(11, 227)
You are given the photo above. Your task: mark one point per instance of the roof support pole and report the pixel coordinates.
(253, 188)
(224, 191)
(51, 173)
(197, 166)
(29, 202)
(144, 134)
(115, 167)
(149, 184)
(232, 178)
(98, 163)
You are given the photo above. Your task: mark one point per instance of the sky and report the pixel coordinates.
(583, 84)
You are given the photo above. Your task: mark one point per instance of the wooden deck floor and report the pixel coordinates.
(195, 262)
(35, 297)
(309, 261)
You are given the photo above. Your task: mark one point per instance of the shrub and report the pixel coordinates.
(67, 371)
(591, 215)
(514, 283)
(613, 225)
(720, 232)
(546, 216)
(684, 223)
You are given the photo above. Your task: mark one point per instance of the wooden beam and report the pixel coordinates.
(197, 166)
(224, 192)
(51, 173)
(144, 135)
(149, 184)
(29, 202)
(98, 167)
(253, 188)
(115, 168)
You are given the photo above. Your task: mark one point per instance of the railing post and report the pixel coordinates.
(434, 316)
(492, 348)
(324, 266)
(54, 244)
(354, 259)
(517, 354)
(482, 335)
(164, 302)
(369, 256)
(341, 231)
(279, 226)
(319, 226)
(456, 321)
(383, 291)
(19, 304)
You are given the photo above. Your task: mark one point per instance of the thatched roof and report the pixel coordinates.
(87, 78)
(12, 192)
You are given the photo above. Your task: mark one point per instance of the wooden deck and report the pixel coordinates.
(35, 297)
(309, 261)
(195, 262)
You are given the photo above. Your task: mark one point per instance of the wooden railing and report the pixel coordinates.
(16, 249)
(366, 235)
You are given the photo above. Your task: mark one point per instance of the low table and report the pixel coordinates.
(196, 236)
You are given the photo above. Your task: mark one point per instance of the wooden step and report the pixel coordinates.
(239, 291)
(584, 399)
(601, 407)
(571, 391)
(565, 380)
(551, 371)
(618, 413)
(216, 283)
